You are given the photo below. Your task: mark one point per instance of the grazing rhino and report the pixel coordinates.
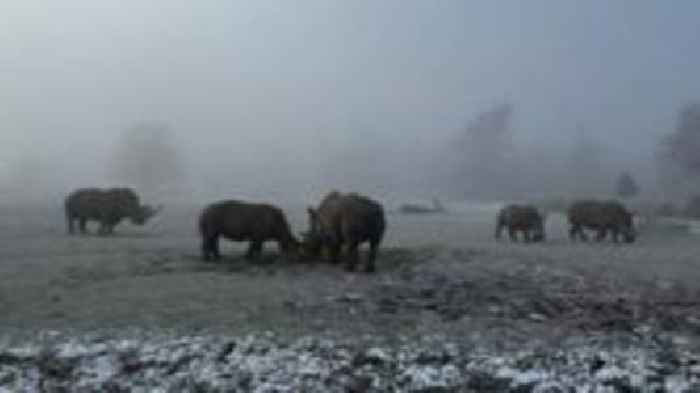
(603, 217)
(106, 206)
(242, 221)
(345, 220)
(521, 218)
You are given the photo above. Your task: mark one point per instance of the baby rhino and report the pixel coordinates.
(346, 221)
(521, 218)
(242, 221)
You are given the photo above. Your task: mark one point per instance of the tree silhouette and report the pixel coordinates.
(586, 163)
(626, 186)
(683, 144)
(486, 150)
(677, 158)
(148, 158)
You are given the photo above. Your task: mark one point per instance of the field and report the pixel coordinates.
(441, 273)
(450, 310)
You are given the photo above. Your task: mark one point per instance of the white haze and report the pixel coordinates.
(286, 99)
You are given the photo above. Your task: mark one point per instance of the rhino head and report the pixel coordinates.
(316, 238)
(144, 213)
(628, 232)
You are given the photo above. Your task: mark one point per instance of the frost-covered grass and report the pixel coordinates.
(510, 311)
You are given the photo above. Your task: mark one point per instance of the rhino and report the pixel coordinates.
(521, 218)
(244, 221)
(602, 217)
(106, 206)
(345, 220)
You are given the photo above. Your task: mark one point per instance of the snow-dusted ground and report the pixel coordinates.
(265, 363)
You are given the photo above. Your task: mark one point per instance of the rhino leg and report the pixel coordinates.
(215, 248)
(576, 231)
(372, 257)
(283, 248)
(499, 230)
(83, 225)
(206, 253)
(352, 256)
(69, 221)
(106, 228)
(513, 234)
(615, 235)
(254, 249)
(602, 234)
(249, 253)
(102, 231)
(582, 235)
(334, 252)
(210, 248)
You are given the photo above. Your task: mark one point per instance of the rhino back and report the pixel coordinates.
(590, 213)
(366, 216)
(618, 214)
(520, 216)
(351, 215)
(124, 199)
(85, 203)
(239, 220)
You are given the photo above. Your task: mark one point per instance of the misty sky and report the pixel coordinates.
(235, 78)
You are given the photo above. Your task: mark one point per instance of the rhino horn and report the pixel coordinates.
(150, 211)
(146, 212)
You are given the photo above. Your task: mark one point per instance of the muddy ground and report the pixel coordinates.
(439, 273)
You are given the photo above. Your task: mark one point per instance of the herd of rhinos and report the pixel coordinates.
(341, 222)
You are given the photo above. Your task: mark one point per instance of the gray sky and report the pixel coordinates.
(287, 79)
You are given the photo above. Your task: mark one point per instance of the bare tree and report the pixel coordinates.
(587, 166)
(683, 145)
(626, 186)
(147, 157)
(486, 150)
(678, 161)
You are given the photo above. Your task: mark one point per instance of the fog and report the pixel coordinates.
(285, 100)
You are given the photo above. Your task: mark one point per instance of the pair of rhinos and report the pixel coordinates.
(340, 221)
(601, 216)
